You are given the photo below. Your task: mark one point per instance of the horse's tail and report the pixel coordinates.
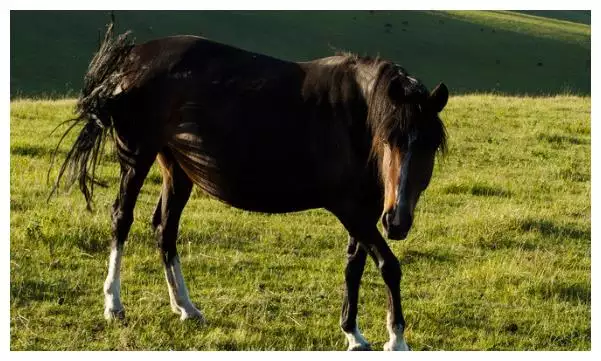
(94, 109)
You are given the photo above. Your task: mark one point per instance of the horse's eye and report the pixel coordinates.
(398, 138)
(403, 146)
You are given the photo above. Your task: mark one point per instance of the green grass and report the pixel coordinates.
(475, 51)
(498, 258)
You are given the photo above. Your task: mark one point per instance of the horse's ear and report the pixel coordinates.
(396, 91)
(438, 97)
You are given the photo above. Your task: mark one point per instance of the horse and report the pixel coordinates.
(356, 136)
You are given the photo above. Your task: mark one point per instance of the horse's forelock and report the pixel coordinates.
(384, 115)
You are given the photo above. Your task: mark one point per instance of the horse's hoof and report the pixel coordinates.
(396, 346)
(360, 347)
(111, 315)
(195, 315)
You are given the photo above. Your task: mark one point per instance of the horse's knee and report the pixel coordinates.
(122, 221)
(391, 270)
(354, 271)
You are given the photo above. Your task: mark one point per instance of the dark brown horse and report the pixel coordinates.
(356, 136)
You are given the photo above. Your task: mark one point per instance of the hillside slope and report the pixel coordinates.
(505, 52)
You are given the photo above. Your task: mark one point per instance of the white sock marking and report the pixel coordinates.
(356, 339)
(397, 341)
(112, 285)
(178, 293)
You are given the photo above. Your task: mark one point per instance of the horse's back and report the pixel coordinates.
(239, 124)
(202, 61)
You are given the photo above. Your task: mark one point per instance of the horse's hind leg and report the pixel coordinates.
(174, 196)
(132, 179)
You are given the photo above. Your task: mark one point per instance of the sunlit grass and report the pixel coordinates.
(498, 259)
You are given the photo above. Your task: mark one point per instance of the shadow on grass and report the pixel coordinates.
(574, 174)
(550, 229)
(568, 339)
(559, 139)
(576, 293)
(154, 178)
(505, 242)
(34, 151)
(481, 190)
(413, 256)
(35, 290)
(223, 236)
(17, 205)
(491, 69)
(28, 150)
(91, 240)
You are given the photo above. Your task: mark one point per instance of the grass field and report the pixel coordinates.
(502, 52)
(498, 259)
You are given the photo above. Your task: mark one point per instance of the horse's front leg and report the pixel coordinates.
(355, 264)
(390, 268)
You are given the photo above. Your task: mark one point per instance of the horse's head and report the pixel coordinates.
(407, 135)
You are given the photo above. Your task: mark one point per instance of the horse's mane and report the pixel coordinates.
(346, 75)
(390, 122)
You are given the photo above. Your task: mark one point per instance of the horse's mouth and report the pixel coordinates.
(396, 234)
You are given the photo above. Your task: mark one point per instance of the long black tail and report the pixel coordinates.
(94, 110)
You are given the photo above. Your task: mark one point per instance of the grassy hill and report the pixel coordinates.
(505, 52)
(577, 16)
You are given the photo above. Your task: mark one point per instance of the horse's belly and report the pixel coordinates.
(252, 175)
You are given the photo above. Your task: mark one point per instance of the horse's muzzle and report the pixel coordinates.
(397, 226)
